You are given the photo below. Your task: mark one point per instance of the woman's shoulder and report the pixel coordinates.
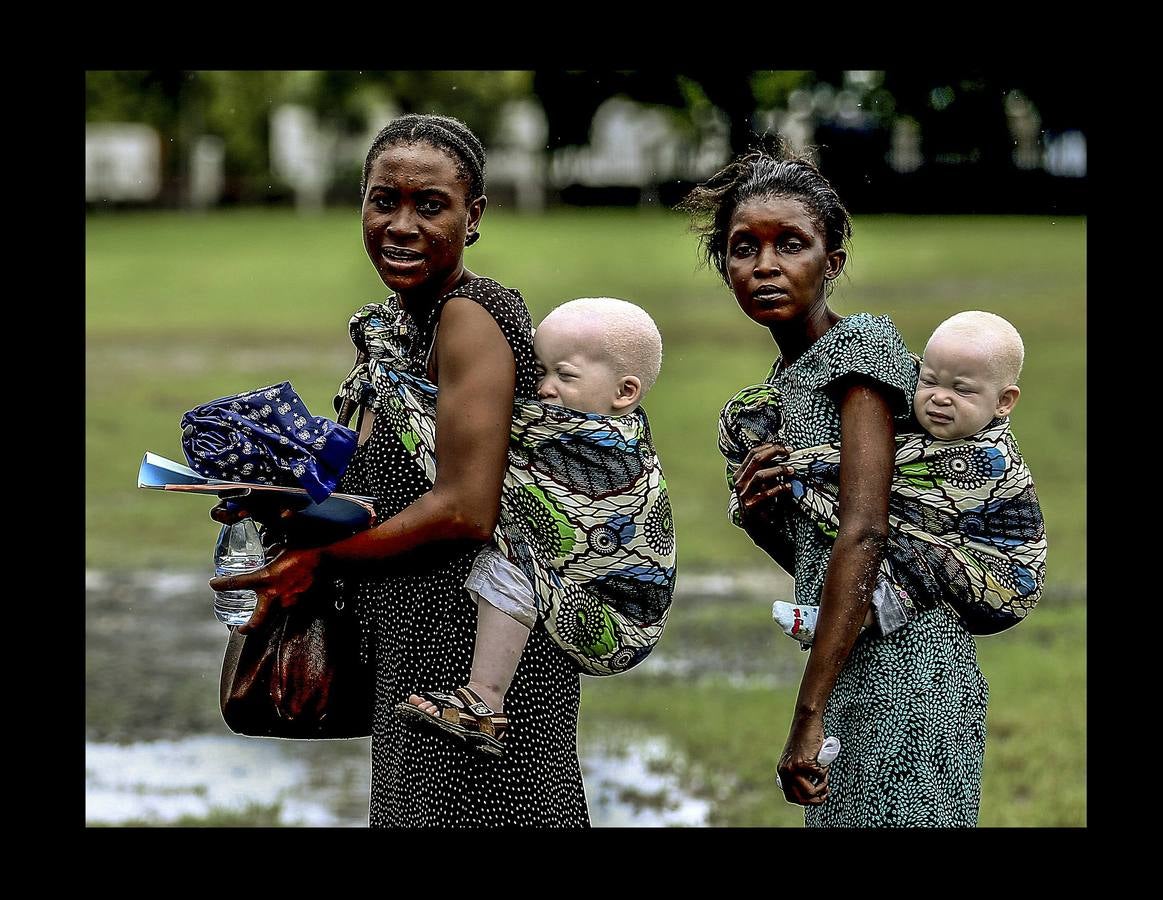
(505, 304)
(869, 327)
(869, 346)
(851, 341)
(482, 289)
(862, 333)
(508, 309)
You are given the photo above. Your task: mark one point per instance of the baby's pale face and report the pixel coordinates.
(573, 371)
(957, 392)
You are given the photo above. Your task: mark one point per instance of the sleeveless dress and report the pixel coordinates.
(909, 708)
(418, 626)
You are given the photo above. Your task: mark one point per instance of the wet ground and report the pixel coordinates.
(158, 753)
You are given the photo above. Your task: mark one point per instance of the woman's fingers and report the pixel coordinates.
(774, 491)
(814, 797)
(228, 512)
(758, 457)
(244, 581)
(748, 482)
(804, 783)
(278, 584)
(816, 786)
(272, 543)
(257, 581)
(268, 513)
(764, 484)
(262, 609)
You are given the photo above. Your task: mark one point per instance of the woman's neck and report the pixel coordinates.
(794, 338)
(424, 298)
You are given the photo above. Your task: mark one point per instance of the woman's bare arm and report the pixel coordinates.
(474, 411)
(473, 414)
(866, 461)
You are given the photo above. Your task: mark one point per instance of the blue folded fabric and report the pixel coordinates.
(267, 436)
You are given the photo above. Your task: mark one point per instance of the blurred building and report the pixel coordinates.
(122, 162)
(635, 149)
(891, 142)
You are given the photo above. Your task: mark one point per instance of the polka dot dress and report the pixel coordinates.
(419, 626)
(909, 709)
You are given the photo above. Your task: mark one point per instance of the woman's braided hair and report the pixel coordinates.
(443, 132)
(771, 169)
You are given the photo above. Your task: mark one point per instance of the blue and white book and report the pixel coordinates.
(160, 474)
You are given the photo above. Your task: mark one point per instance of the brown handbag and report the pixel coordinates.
(300, 676)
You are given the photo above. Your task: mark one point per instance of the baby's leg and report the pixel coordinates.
(506, 613)
(500, 642)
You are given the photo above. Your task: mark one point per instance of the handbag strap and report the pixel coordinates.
(347, 406)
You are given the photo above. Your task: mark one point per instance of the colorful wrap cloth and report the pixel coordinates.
(965, 527)
(584, 507)
(381, 332)
(267, 436)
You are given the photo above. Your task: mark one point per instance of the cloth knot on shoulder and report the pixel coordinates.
(383, 333)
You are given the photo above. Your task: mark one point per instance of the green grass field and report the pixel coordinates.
(730, 728)
(182, 308)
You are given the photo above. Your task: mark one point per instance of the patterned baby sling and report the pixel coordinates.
(584, 508)
(965, 527)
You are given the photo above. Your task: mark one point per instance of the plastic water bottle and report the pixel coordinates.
(829, 751)
(239, 549)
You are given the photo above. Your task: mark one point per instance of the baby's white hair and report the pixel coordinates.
(999, 338)
(627, 333)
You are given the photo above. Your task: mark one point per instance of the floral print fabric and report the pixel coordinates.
(584, 514)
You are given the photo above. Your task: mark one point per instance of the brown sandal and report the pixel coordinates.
(490, 728)
(464, 715)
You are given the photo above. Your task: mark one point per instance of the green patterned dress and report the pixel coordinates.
(909, 709)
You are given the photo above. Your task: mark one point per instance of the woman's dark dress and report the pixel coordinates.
(419, 626)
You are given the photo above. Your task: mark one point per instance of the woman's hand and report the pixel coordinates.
(803, 779)
(271, 513)
(760, 482)
(279, 584)
(267, 511)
